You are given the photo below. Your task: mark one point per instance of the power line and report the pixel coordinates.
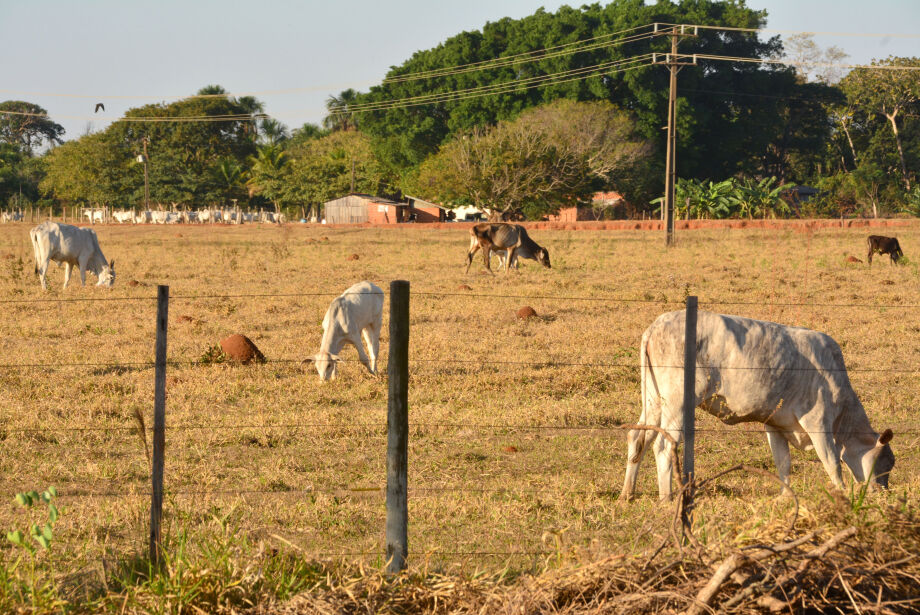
(706, 56)
(533, 56)
(814, 33)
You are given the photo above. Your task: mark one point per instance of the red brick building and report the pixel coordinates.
(425, 211)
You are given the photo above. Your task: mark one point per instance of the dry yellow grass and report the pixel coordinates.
(515, 455)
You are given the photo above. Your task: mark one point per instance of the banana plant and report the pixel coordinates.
(762, 198)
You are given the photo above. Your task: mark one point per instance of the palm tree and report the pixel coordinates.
(274, 132)
(340, 116)
(231, 177)
(256, 110)
(265, 172)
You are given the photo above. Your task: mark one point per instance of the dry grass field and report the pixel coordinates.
(515, 454)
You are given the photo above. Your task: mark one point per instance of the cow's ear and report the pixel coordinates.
(886, 437)
(308, 360)
(334, 357)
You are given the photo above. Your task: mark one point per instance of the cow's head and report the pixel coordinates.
(543, 257)
(325, 363)
(885, 460)
(107, 275)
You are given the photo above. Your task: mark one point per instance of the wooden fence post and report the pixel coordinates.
(689, 409)
(159, 425)
(398, 429)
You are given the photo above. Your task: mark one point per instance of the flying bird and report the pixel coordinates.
(99, 106)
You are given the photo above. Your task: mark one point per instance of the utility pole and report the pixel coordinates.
(671, 60)
(145, 141)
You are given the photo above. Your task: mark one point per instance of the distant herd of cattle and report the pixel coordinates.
(791, 380)
(199, 216)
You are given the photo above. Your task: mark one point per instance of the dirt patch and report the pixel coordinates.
(240, 348)
(853, 259)
(464, 287)
(352, 257)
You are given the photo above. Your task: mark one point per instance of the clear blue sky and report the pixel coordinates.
(66, 55)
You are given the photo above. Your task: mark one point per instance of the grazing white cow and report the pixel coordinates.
(355, 313)
(791, 379)
(72, 246)
(11, 216)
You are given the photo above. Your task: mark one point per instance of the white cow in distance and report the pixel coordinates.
(164, 217)
(123, 216)
(73, 246)
(355, 313)
(94, 215)
(790, 379)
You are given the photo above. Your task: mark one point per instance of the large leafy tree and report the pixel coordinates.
(92, 170)
(27, 126)
(736, 127)
(326, 167)
(548, 157)
(186, 140)
(885, 91)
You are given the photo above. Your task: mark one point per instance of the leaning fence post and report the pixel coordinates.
(398, 428)
(159, 424)
(689, 409)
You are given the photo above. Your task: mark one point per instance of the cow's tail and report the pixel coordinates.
(36, 249)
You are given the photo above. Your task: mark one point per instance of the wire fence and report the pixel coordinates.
(419, 491)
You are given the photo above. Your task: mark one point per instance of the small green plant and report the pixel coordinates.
(214, 354)
(37, 538)
(40, 535)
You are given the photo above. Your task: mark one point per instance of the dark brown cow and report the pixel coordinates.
(512, 238)
(884, 245)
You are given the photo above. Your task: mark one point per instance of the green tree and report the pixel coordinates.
(709, 121)
(340, 115)
(890, 93)
(185, 146)
(267, 175)
(93, 170)
(231, 176)
(27, 126)
(549, 157)
(322, 168)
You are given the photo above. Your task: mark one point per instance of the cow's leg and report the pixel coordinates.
(781, 458)
(82, 264)
(637, 442)
(474, 245)
(818, 423)
(42, 271)
(509, 254)
(361, 354)
(486, 253)
(371, 335)
(68, 268)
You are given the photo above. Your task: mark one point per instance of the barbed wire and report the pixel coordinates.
(912, 430)
(465, 361)
(430, 293)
